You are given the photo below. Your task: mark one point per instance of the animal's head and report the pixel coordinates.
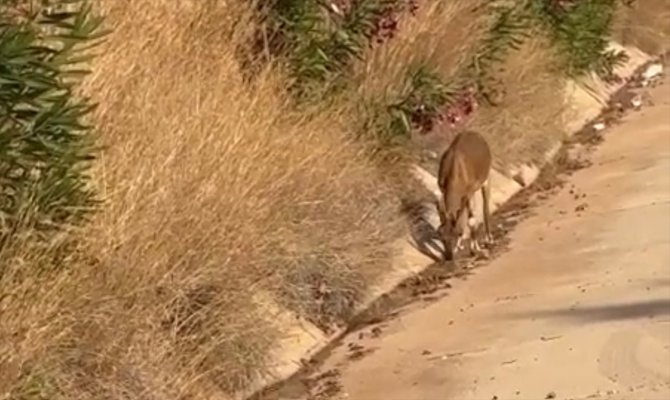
(450, 228)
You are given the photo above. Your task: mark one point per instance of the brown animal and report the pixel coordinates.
(464, 169)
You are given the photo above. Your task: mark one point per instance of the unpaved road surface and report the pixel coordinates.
(578, 308)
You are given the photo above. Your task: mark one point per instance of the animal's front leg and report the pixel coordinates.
(475, 246)
(476, 249)
(459, 243)
(472, 234)
(472, 228)
(464, 232)
(488, 239)
(486, 198)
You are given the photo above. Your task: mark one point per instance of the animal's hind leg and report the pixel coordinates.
(448, 250)
(471, 223)
(475, 245)
(486, 196)
(463, 230)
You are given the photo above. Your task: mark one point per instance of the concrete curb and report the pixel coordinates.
(586, 100)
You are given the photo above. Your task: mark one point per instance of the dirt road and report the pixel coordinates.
(578, 308)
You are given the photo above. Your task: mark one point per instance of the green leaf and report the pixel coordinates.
(42, 120)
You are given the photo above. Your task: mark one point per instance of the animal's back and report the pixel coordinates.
(464, 167)
(475, 154)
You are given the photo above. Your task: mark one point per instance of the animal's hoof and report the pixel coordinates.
(477, 252)
(475, 246)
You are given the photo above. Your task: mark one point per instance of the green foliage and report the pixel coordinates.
(580, 31)
(45, 145)
(509, 28)
(421, 102)
(320, 42)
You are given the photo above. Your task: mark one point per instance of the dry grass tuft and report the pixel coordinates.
(529, 118)
(441, 36)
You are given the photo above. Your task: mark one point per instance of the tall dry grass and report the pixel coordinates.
(215, 192)
(441, 36)
(529, 118)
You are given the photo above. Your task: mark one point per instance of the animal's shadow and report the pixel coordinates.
(422, 224)
(423, 220)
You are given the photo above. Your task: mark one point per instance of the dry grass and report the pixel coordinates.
(441, 36)
(214, 192)
(645, 25)
(528, 121)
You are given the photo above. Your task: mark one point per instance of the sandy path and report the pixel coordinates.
(578, 308)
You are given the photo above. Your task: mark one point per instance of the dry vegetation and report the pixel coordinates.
(528, 120)
(213, 191)
(216, 192)
(645, 25)
(441, 36)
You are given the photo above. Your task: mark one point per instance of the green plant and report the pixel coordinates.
(580, 31)
(422, 101)
(320, 41)
(427, 97)
(510, 27)
(45, 145)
